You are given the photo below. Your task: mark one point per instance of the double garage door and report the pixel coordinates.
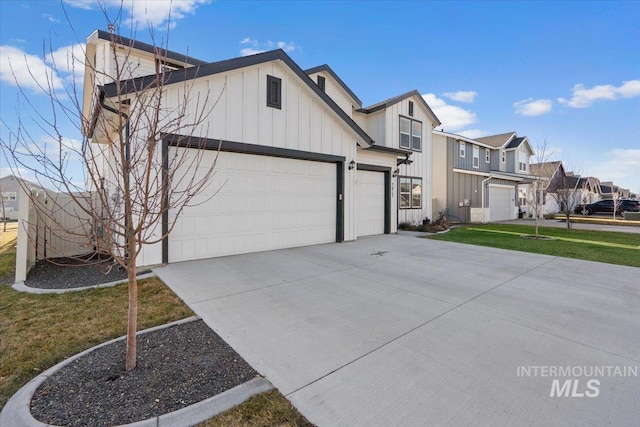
(256, 203)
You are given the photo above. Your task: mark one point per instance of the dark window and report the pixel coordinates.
(321, 83)
(411, 108)
(410, 193)
(274, 92)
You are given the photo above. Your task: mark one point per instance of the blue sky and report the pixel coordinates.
(564, 72)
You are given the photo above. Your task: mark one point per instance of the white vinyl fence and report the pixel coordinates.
(50, 225)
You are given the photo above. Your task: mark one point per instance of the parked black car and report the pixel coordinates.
(606, 206)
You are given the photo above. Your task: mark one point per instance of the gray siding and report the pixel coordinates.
(511, 161)
(466, 162)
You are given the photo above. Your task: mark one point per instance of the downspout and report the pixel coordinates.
(127, 153)
(484, 181)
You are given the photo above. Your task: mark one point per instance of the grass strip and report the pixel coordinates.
(566, 239)
(564, 244)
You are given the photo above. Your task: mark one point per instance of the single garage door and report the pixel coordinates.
(370, 203)
(257, 203)
(501, 203)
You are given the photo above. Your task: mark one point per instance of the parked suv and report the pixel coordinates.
(606, 206)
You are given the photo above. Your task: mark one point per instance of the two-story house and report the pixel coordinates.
(480, 180)
(298, 160)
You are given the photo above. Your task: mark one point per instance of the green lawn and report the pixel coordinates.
(38, 331)
(602, 246)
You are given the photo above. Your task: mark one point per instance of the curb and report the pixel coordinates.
(21, 287)
(17, 411)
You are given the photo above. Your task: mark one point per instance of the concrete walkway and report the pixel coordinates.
(396, 330)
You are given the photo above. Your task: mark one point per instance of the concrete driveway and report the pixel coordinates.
(396, 330)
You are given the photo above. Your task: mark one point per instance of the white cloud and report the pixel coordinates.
(620, 165)
(143, 13)
(467, 96)
(50, 18)
(473, 133)
(452, 117)
(30, 72)
(584, 97)
(256, 46)
(69, 60)
(533, 107)
(26, 71)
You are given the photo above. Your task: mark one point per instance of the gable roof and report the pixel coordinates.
(546, 169)
(325, 68)
(497, 141)
(391, 101)
(178, 76)
(515, 142)
(164, 53)
(460, 138)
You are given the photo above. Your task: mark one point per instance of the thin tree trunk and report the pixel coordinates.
(132, 318)
(4, 216)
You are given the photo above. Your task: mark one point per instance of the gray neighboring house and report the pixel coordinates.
(10, 188)
(471, 174)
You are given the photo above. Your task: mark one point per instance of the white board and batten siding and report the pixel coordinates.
(304, 123)
(385, 130)
(335, 92)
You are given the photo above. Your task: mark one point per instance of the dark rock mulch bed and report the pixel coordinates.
(76, 272)
(176, 367)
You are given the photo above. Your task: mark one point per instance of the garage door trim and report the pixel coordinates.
(387, 191)
(182, 141)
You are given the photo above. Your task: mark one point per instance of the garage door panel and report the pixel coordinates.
(370, 203)
(501, 202)
(259, 203)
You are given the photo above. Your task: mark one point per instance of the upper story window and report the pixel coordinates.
(9, 196)
(463, 149)
(476, 156)
(410, 134)
(274, 92)
(487, 155)
(411, 108)
(522, 164)
(503, 156)
(321, 83)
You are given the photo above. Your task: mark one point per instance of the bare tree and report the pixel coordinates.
(617, 200)
(567, 195)
(130, 183)
(3, 200)
(540, 179)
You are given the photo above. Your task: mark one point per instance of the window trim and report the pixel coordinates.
(10, 196)
(271, 80)
(476, 156)
(503, 156)
(487, 155)
(400, 192)
(462, 149)
(411, 135)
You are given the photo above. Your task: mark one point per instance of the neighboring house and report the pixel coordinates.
(472, 174)
(552, 176)
(591, 191)
(301, 161)
(405, 125)
(10, 187)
